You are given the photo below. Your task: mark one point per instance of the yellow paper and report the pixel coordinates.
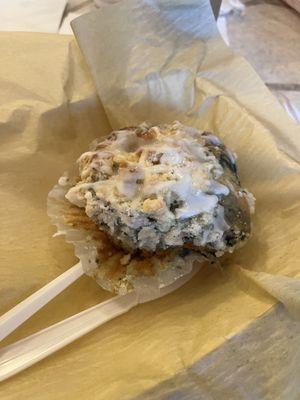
(168, 62)
(50, 113)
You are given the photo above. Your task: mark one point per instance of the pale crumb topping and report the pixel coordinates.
(155, 187)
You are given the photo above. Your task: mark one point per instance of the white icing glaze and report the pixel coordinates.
(175, 163)
(127, 184)
(153, 188)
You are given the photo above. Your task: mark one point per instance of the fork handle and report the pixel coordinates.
(24, 310)
(20, 355)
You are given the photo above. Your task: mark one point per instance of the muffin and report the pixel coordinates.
(160, 197)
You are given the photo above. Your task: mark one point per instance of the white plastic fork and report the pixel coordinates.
(24, 310)
(26, 352)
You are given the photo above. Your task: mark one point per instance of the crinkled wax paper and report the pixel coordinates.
(166, 62)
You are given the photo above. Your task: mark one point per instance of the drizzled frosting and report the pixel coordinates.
(184, 168)
(143, 184)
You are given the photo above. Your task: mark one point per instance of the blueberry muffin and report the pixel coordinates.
(165, 193)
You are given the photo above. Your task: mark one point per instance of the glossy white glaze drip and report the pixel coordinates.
(176, 163)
